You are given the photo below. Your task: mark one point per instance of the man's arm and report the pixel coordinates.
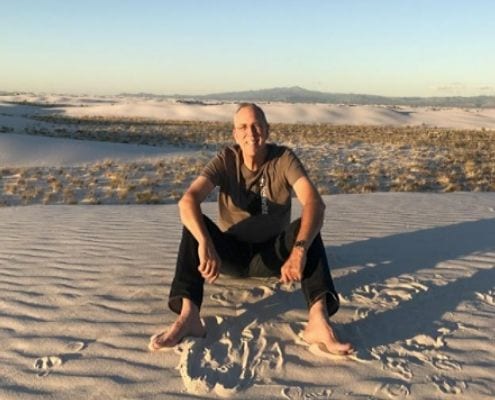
(192, 218)
(190, 207)
(313, 211)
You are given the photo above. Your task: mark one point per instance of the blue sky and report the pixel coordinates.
(395, 48)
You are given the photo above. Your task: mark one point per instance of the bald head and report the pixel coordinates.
(260, 115)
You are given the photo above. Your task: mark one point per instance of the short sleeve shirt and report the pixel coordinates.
(254, 206)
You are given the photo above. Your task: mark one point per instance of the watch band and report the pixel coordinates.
(301, 244)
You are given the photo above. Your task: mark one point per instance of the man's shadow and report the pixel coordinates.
(379, 259)
(422, 314)
(391, 256)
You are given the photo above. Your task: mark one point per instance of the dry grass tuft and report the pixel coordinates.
(148, 197)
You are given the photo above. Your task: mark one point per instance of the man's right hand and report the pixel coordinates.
(209, 262)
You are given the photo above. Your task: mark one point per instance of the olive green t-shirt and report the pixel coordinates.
(254, 206)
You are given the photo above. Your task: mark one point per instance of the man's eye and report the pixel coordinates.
(254, 127)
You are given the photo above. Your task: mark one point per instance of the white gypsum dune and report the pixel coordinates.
(131, 107)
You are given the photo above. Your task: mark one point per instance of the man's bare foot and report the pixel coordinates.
(187, 323)
(319, 330)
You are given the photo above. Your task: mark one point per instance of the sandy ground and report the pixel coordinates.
(36, 151)
(84, 287)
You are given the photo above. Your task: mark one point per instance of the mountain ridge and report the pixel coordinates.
(297, 94)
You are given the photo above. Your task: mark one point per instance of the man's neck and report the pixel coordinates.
(255, 163)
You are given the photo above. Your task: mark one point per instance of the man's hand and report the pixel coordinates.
(293, 268)
(209, 262)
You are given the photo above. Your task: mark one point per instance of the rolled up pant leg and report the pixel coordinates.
(188, 281)
(316, 280)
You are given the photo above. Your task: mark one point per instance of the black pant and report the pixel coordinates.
(242, 259)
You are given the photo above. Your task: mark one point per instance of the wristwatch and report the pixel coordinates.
(301, 244)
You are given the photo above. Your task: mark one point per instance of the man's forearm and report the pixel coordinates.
(192, 218)
(311, 221)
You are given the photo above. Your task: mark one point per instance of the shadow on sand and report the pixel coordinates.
(404, 253)
(407, 253)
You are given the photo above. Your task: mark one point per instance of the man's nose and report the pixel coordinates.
(252, 131)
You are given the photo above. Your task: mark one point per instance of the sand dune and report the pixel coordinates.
(128, 107)
(302, 113)
(83, 288)
(27, 150)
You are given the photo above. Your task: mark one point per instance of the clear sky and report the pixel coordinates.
(394, 48)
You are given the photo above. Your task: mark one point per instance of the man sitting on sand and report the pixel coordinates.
(255, 237)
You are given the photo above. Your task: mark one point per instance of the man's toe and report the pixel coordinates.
(340, 349)
(157, 341)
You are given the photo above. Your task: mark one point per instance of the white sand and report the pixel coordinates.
(83, 288)
(127, 107)
(20, 150)
(303, 113)
(37, 151)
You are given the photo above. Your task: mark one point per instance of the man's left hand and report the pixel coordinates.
(293, 268)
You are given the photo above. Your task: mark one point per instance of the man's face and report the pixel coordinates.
(250, 132)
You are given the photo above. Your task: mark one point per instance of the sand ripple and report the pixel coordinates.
(83, 289)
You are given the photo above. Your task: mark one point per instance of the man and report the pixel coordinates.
(256, 237)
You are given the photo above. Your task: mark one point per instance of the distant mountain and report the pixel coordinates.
(5, 93)
(296, 94)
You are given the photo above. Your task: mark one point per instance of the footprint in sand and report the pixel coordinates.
(448, 385)
(223, 298)
(422, 342)
(291, 392)
(389, 294)
(398, 366)
(75, 347)
(361, 313)
(226, 360)
(487, 298)
(443, 362)
(296, 393)
(235, 297)
(323, 395)
(46, 364)
(394, 390)
(426, 349)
